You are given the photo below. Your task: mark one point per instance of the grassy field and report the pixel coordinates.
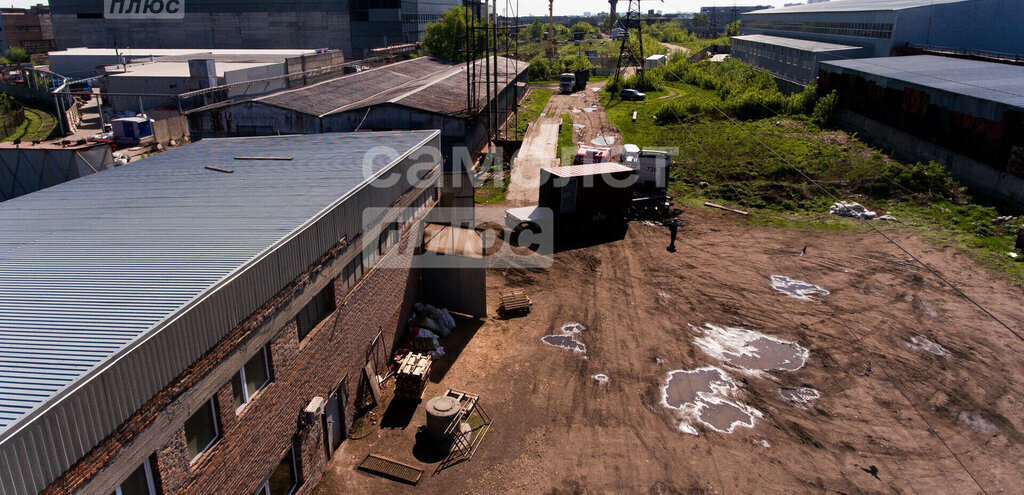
(530, 109)
(38, 126)
(565, 140)
(719, 161)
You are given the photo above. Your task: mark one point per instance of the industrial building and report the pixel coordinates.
(966, 114)
(84, 62)
(29, 29)
(720, 17)
(420, 93)
(353, 26)
(982, 27)
(789, 59)
(203, 321)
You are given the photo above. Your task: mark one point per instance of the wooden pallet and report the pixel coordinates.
(391, 469)
(514, 301)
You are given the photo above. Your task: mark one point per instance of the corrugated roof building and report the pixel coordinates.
(966, 114)
(421, 93)
(130, 300)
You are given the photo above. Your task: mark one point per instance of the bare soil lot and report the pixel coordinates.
(908, 373)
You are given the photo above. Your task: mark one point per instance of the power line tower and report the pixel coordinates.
(631, 55)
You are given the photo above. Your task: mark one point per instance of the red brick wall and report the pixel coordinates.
(253, 442)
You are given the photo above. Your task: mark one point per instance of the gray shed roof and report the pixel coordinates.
(91, 268)
(854, 6)
(804, 45)
(424, 83)
(1000, 83)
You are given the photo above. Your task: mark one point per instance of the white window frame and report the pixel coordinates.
(246, 398)
(150, 484)
(264, 489)
(216, 430)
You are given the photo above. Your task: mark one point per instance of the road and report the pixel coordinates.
(537, 152)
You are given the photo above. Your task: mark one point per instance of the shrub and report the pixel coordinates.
(825, 110)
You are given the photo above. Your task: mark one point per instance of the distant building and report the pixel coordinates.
(29, 29)
(986, 27)
(720, 17)
(353, 26)
(966, 114)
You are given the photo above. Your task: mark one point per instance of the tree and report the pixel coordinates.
(700, 20)
(445, 37)
(583, 27)
(17, 55)
(4, 61)
(732, 29)
(536, 30)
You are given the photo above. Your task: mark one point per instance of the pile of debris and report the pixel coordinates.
(855, 210)
(427, 325)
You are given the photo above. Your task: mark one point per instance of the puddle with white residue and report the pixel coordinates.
(601, 378)
(748, 349)
(573, 327)
(604, 140)
(922, 343)
(575, 110)
(701, 396)
(802, 397)
(588, 109)
(796, 288)
(565, 342)
(579, 126)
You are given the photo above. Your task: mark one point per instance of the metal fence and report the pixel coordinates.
(10, 122)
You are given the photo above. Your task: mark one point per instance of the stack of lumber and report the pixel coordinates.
(412, 374)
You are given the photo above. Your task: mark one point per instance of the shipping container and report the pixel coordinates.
(584, 194)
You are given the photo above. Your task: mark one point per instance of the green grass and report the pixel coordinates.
(38, 126)
(530, 109)
(718, 161)
(492, 191)
(566, 148)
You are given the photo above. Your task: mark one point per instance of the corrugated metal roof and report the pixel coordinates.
(588, 169)
(90, 265)
(988, 81)
(804, 45)
(424, 83)
(854, 6)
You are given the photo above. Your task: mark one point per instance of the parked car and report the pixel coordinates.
(632, 95)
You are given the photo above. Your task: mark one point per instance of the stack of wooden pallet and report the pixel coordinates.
(411, 376)
(514, 301)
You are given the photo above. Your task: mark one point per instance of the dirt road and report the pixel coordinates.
(538, 151)
(906, 371)
(590, 121)
(675, 48)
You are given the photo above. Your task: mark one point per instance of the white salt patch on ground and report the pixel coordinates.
(796, 288)
(601, 378)
(703, 396)
(922, 343)
(977, 422)
(803, 397)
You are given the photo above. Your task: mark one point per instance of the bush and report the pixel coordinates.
(540, 68)
(825, 110)
(17, 55)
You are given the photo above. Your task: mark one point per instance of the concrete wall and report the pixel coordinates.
(176, 128)
(979, 178)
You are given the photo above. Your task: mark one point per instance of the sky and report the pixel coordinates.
(565, 7)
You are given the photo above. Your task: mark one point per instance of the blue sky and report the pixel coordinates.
(564, 7)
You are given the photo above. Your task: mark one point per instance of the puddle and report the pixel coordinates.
(802, 397)
(922, 343)
(588, 109)
(573, 327)
(543, 114)
(700, 396)
(565, 342)
(575, 110)
(796, 288)
(579, 126)
(748, 349)
(604, 140)
(601, 378)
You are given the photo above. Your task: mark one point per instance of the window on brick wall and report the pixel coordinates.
(315, 312)
(139, 483)
(284, 480)
(250, 379)
(202, 430)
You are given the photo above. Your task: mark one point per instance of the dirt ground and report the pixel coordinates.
(589, 119)
(889, 419)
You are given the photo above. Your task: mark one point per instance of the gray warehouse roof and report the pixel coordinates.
(1001, 83)
(93, 270)
(855, 6)
(803, 45)
(424, 83)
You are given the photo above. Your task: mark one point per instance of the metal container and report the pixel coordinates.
(442, 411)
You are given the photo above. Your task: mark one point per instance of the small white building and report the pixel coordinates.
(655, 61)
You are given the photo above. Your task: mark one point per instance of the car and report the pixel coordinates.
(632, 95)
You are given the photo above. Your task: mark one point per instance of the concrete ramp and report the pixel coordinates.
(539, 150)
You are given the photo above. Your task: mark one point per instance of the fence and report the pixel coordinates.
(10, 123)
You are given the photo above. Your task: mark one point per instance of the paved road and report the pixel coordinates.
(538, 151)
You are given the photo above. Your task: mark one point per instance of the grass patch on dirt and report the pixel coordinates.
(38, 126)
(566, 148)
(717, 161)
(530, 109)
(492, 191)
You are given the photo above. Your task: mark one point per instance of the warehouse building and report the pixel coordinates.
(353, 26)
(29, 29)
(421, 93)
(966, 114)
(788, 58)
(201, 321)
(882, 27)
